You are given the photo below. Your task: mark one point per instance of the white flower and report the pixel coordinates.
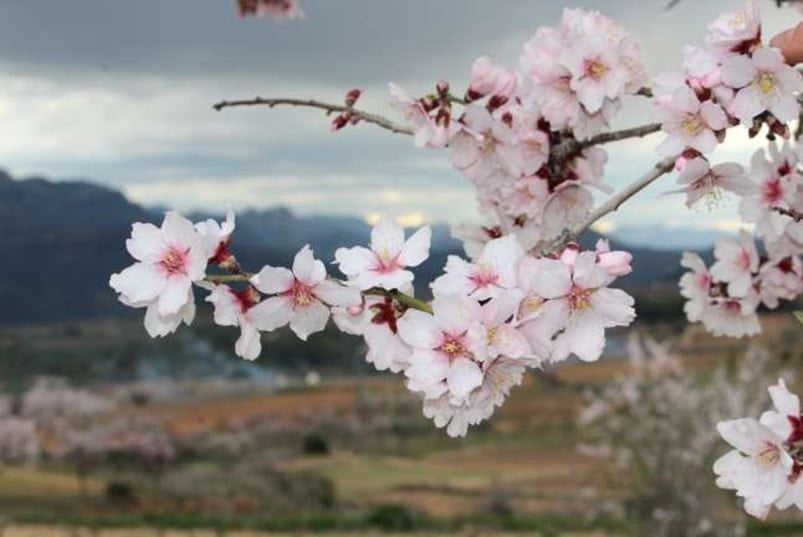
(169, 260)
(737, 261)
(695, 286)
(449, 348)
(759, 466)
(596, 71)
(700, 180)
(764, 83)
(732, 317)
(690, 123)
(384, 264)
(237, 308)
(302, 296)
(578, 306)
(732, 31)
(500, 376)
(377, 322)
(216, 236)
(493, 272)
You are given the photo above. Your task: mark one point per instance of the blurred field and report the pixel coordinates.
(524, 462)
(52, 531)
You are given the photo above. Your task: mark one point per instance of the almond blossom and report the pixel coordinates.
(737, 261)
(216, 237)
(168, 260)
(377, 321)
(764, 83)
(765, 466)
(385, 263)
(702, 181)
(578, 307)
(302, 297)
(732, 31)
(493, 272)
(449, 348)
(690, 123)
(238, 308)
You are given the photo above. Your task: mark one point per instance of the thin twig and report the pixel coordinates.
(329, 108)
(624, 134)
(663, 167)
(385, 123)
(796, 216)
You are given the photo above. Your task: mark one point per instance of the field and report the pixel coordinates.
(525, 467)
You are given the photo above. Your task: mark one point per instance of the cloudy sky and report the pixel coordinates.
(120, 93)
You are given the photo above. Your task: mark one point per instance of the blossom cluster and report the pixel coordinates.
(764, 467)
(744, 276)
(520, 136)
(489, 320)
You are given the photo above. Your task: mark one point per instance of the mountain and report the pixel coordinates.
(61, 240)
(672, 239)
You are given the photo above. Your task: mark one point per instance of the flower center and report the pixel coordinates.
(693, 126)
(766, 82)
(595, 69)
(454, 347)
(769, 456)
(174, 260)
(531, 304)
(483, 277)
(301, 294)
(387, 262)
(579, 298)
(772, 192)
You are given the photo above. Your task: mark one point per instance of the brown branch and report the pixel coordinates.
(329, 108)
(660, 169)
(624, 134)
(796, 216)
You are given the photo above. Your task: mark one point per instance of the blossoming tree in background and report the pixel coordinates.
(531, 141)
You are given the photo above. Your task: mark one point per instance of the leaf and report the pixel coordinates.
(799, 316)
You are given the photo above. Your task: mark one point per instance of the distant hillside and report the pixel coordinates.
(61, 240)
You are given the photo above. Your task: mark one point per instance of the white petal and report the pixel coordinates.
(272, 280)
(146, 243)
(248, 345)
(178, 230)
(387, 238)
(419, 329)
(416, 249)
(271, 313)
(174, 295)
(354, 261)
(309, 319)
(554, 279)
(464, 376)
(335, 294)
(308, 269)
(141, 282)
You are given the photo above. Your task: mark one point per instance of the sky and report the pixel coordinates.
(120, 93)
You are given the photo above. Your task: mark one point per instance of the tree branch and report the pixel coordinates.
(329, 108)
(663, 167)
(624, 134)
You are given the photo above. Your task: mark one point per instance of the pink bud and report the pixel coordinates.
(352, 96)
(680, 163)
(339, 122)
(615, 263)
(443, 88)
(355, 310)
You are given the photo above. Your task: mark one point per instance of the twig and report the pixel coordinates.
(663, 167)
(329, 108)
(624, 134)
(796, 216)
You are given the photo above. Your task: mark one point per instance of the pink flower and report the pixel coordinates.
(489, 79)
(690, 123)
(737, 261)
(216, 237)
(780, 280)
(731, 317)
(384, 264)
(759, 466)
(596, 71)
(448, 348)
(700, 181)
(377, 322)
(169, 260)
(493, 272)
(236, 308)
(428, 132)
(486, 145)
(695, 286)
(735, 32)
(302, 296)
(578, 306)
(764, 83)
